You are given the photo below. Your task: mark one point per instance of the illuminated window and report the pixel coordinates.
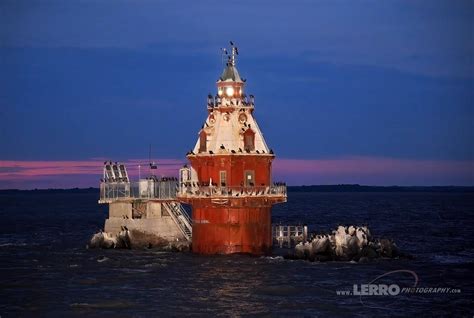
(249, 176)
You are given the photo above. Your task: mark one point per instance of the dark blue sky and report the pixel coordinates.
(86, 79)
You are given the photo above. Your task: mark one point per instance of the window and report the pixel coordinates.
(249, 140)
(202, 142)
(223, 178)
(249, 176)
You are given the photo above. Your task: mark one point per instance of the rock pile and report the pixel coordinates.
(346, 243)
(136, 240)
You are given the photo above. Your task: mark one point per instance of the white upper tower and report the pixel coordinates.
(230, 127)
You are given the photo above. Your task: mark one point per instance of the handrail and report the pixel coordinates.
(185, 214)
(289, 234)
(181, 218)
(145, 189)
(170, 190)
(234, 191)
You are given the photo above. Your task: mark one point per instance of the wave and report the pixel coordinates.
(104, 305)
(13, 244)
(102, 259)
(453, 259)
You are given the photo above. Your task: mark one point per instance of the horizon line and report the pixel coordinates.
(288, 186)
(377, 171)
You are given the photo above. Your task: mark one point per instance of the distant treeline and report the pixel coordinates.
(364, 188)
(310, 188)
(73, 190)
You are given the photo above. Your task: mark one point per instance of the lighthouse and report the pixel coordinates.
(229, 182)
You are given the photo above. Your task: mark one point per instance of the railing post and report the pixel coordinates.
(281, 237)
(289, 237)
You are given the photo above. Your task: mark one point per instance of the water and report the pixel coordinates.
(46, 270)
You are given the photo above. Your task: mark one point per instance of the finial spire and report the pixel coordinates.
(230, 73)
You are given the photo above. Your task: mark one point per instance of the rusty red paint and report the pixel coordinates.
(241, 225)
(232, 230)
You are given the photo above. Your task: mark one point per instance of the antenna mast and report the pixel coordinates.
(224, 53)
(235, 52)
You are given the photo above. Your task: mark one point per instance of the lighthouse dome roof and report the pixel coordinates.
(230, 74)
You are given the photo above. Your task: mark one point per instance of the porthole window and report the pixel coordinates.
(242, 118)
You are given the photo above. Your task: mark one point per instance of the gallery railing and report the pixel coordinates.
(170, 190)
(289, 235)
(235, 191)
(145, 189)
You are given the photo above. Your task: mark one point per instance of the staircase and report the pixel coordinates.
(181, 218)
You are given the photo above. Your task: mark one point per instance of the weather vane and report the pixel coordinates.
(232, 57)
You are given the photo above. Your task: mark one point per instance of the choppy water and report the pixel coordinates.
(45, 269)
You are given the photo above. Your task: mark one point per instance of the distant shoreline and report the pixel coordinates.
(304, 188)
(365, 188)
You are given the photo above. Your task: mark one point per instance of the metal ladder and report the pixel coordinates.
(181, 218)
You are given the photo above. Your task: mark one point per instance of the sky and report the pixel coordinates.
(368, 92)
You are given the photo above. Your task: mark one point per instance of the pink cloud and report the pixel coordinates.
(362, 170)
(70, 174)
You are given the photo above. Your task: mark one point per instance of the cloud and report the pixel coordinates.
(71, 174)
(362, 170)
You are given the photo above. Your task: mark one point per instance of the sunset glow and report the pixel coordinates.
(349, 170)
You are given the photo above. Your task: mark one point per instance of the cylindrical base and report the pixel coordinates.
(227, 230)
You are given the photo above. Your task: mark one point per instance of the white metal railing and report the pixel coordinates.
(144, 189)
(151, 189)
(289, 234)
(194, 190)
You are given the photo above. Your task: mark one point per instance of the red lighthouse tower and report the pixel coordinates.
(229, 183)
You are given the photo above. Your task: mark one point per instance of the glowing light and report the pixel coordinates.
(229, 91)
(219, 92)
